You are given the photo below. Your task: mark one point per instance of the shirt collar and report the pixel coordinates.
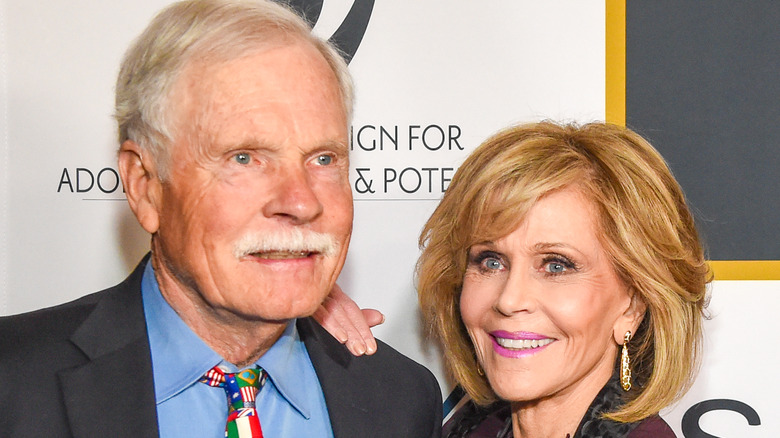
(288, 366)
(180, 357)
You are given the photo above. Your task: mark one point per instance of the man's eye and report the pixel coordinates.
(324, 160)
(242, 158)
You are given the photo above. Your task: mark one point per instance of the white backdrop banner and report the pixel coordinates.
(434, 78)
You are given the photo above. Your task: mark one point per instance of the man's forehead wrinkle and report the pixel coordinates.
(191, 106)
(216, 103)
(218, 113)
(244, 127)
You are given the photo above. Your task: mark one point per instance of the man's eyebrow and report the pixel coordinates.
(253, 143)
(246, 143)
(336, 144)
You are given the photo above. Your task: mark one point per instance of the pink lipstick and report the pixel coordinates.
(518, 344)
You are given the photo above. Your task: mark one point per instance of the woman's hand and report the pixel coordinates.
(350, 325)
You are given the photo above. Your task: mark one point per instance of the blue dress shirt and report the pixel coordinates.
(291, 403)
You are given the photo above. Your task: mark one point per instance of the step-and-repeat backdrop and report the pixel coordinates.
(434, 78)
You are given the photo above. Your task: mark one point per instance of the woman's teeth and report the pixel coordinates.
(522, 344)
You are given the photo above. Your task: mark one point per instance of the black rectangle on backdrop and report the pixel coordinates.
(703, 85)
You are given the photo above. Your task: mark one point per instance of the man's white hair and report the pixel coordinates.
(208, 30)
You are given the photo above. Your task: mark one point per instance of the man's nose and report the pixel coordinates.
(293, 196)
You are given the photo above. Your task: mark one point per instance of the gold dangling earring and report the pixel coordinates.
(625, 364)
(480, 371)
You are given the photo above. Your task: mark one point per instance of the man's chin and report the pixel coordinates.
(278, 313)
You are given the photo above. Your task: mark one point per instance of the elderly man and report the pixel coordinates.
(233, 125)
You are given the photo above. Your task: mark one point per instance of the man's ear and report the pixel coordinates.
(143, 188)
(631, 318)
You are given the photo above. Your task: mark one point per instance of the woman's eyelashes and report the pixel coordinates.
(557, 264)
(487, 262)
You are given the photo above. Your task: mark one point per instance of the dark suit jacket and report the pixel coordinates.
(83, 369)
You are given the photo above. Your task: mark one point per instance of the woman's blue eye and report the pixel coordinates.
(492, 264)
(242, 158)
(555, 267)
(487, 262)
(324, 160)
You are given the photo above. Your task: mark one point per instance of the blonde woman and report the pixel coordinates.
(564, 278)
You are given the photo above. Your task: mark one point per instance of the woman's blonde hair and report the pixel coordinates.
(646, 229)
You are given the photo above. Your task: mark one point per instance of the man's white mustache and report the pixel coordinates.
(294, 240)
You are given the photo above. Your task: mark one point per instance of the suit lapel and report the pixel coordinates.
(113, 393)
(349, 409)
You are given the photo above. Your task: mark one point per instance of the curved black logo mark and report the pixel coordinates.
(690, 421)
(349, 35)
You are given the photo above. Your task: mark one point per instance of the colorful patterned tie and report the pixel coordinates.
(241, 389)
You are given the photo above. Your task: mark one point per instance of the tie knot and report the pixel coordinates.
(241, 388)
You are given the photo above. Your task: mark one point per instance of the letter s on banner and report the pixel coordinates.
(690, 421)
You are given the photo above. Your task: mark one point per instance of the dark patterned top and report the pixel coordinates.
(495, 421)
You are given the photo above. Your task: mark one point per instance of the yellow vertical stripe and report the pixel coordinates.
(615, 62)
